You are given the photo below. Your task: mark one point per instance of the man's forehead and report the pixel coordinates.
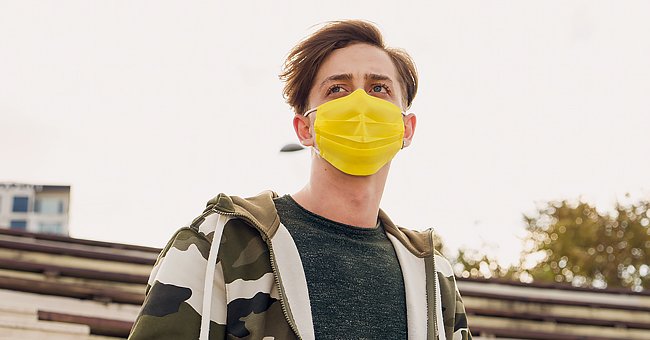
(358, 61)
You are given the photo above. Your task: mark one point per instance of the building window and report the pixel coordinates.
(18, 225)
(21, 204)
(50, 228)
(48, 206)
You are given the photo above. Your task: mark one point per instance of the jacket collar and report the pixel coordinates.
(260, 211)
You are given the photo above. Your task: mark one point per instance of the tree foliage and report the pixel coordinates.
(475, 264)
(580, 245)
(577, 244)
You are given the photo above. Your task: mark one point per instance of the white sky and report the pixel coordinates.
(149, 108)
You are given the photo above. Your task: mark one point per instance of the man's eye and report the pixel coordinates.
(380, 88)
(335, 89)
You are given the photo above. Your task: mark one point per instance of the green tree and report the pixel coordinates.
(576, 243)
(475, 264)
(438, 244)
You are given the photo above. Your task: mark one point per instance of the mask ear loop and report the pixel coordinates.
(403, 141)
(309, 112)
(306, 114)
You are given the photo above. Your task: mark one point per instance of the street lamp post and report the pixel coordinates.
(291, 147)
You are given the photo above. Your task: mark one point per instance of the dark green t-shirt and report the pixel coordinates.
(355, 283)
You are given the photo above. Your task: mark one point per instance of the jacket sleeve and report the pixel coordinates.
(454, 316)
(461, 328)
(174, 294)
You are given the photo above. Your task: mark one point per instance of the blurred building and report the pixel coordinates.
(35, 208)
(57, 287)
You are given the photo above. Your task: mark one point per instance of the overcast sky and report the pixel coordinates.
(149, 108)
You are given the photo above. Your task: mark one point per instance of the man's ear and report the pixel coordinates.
(302, 126)
(409, 128)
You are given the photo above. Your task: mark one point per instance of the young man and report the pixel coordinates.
(325, 262)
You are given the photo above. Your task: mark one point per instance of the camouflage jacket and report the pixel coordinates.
(250, 283)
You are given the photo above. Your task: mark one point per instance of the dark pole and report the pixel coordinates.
(291, 147)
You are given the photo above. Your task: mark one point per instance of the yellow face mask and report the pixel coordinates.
(358, 134)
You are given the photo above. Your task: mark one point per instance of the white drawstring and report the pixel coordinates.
(209, 281)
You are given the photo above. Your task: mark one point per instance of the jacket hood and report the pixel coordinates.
(260, 211)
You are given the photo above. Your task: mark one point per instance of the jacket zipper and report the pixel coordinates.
(274, 268)
(435, 284)
(291, 322)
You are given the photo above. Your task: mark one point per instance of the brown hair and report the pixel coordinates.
(305, 59)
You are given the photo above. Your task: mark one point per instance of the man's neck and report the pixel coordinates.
(352, 200)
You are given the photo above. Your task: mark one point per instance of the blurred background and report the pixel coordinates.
(533, 121)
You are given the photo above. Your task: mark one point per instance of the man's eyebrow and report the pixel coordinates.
(375, 76)
(337, 77)
(348, 77)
